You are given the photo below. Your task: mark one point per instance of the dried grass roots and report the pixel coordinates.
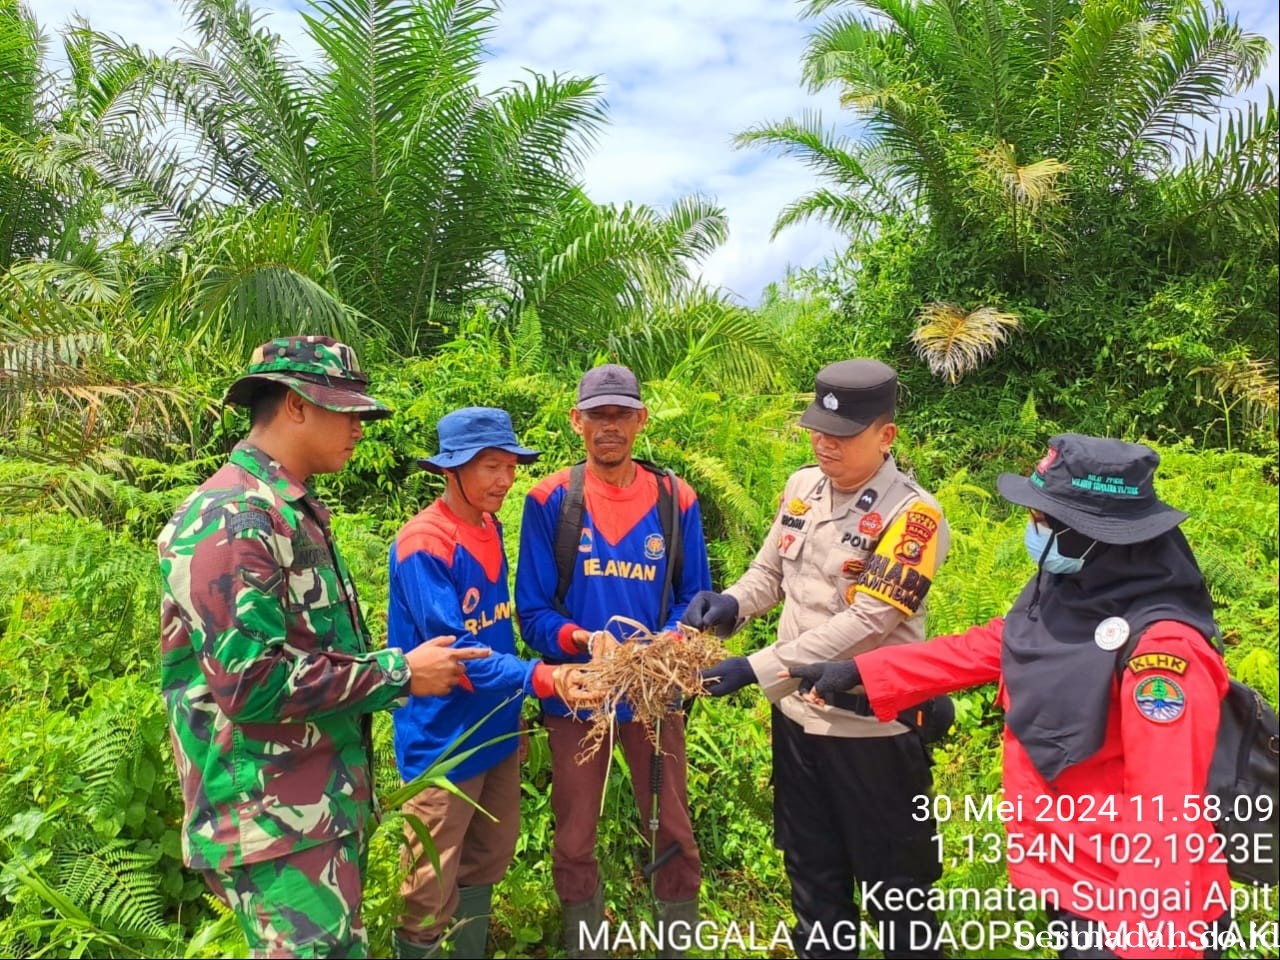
(651, 672)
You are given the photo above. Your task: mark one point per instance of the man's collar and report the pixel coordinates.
(874, 482)
(257, 462)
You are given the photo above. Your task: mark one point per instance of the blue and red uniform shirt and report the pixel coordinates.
(450, 577)
(620, 565)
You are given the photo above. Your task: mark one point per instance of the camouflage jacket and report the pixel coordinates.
(267, 670)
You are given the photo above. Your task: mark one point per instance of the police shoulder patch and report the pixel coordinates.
(901, 570)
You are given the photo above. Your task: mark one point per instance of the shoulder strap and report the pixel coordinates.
(669, 513)
(669, 518)
(569, 533)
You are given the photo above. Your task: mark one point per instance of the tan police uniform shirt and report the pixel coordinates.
(851, 579)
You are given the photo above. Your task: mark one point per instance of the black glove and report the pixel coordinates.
(708, 610)
(730, 674)
(834, 676)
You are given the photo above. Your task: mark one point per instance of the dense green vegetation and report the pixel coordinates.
(1035, 243)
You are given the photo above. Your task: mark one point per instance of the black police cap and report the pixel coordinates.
(849, 396)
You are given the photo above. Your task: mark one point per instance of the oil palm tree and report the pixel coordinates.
(956, 96)
(1049, 141)
(417, 187)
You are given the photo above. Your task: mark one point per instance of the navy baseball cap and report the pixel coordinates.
(609, 385)
(849, 396)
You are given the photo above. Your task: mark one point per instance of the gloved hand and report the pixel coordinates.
(824, 679)
(730, 674)
(715, 612)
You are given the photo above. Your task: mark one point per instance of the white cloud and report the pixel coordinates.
(681, 80)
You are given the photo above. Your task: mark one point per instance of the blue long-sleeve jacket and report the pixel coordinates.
(620, 565)
(450, 577)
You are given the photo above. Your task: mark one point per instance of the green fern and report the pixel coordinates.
(115, 886)
(110, 755)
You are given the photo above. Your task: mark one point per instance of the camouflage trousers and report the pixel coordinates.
(305, 904)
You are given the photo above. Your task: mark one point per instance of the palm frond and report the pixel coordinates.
(1202, 59)
(1031, 185)
(263, 95)
(1093, 70)
(953, 341)
(1232, 184)
(1246, 381)
(869, 186)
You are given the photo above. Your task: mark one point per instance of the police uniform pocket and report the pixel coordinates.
(844, 570)
(790, 542)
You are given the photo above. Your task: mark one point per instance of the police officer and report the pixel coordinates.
(268, 669)
(851, 555)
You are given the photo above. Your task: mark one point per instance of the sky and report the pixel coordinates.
(681, 78)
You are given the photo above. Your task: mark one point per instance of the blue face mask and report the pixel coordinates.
(1036, 539)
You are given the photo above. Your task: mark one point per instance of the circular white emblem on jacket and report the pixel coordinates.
(1111, 633)
(830, 402)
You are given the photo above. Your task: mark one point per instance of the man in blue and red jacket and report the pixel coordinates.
(449, 576)
(619, 569)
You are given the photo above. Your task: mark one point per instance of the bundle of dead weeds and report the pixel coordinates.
(653, 673)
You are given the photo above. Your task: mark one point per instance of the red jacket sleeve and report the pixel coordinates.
(903, 675)
(1170, 702)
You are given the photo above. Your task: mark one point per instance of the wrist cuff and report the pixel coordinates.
(542, 680)
(566, 641)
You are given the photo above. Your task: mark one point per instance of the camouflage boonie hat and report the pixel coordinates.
(319, 369)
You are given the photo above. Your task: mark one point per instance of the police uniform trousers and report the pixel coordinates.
(843, 811)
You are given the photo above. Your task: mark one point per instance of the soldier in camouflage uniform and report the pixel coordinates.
(268, 669)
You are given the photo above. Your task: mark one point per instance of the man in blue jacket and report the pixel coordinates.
(449, 576)
(619, 568)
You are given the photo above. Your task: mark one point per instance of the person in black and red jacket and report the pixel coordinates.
(1133, 747)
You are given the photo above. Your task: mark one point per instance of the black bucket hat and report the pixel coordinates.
(1100, 487)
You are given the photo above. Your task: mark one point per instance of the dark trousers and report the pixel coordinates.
(576, 789)
(843, 819)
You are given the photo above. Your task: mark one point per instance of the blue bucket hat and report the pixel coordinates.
(466, 432)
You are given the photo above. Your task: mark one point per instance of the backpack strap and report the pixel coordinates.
(569, 532)
(669, 517)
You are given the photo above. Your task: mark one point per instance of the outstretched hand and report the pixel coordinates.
(818, 681)
(436, 667)
(714, 612)
(730, 674)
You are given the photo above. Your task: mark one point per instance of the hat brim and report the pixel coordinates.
(453, 459)
(337, 399)
(818, 417)
(1112, 528)
(611, 400)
